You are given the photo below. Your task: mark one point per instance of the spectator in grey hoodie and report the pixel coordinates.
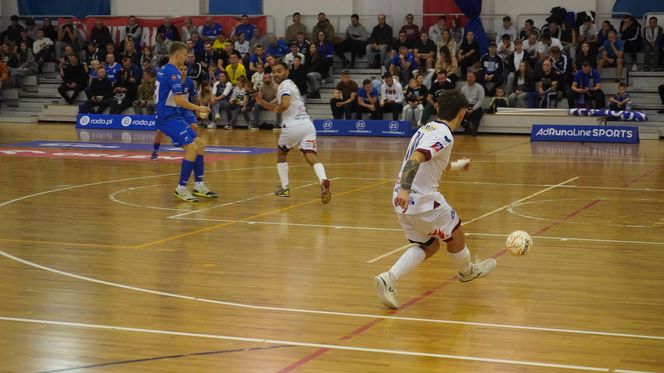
(474, 92)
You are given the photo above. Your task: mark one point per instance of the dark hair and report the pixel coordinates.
(176, 46)
(530, 21)
(585, 64)
(387, 75)
(651, 18)
(622, 85)
(244, 15)
(298, 57)
(506, 37)
(282, 64)
(442, 71)
(366, 81)
(296, 14)
(507, 18)
(355, 16)
(444, 50)
(450, 103)
(442, 17)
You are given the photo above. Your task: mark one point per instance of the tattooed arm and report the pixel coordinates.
(407, 176)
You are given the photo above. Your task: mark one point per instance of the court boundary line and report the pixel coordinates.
(312, 345)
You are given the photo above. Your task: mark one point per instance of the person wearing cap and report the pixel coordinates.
(345, 94)
(295, 28)
(355, 42)
(290, 57)
(490, 74)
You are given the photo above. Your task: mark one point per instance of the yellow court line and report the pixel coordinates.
(67, 243)
(201, 230)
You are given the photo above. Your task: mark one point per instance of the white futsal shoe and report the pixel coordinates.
(183, 193)
(478, 269)
(386, 290)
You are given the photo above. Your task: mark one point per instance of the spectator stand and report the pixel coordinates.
(491, 22)
(339, 22)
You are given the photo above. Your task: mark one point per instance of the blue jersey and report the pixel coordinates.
(189, 90)
(112, 72)
(167, 85)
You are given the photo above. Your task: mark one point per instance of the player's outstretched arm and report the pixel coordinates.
(407, 176)
(277, 108)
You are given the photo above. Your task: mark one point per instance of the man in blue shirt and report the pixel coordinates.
(586, 88)
(613, 52)
(171, 119)
(403, 64)
(211, 30)
(491, 70)
(112, 68)
(244, 27)
(367, 100)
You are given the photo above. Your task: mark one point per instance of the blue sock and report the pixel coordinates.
(185, 171)
(199, 168)
(156, 145)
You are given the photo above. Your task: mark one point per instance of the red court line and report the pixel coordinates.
(314, 355)
(641, 176)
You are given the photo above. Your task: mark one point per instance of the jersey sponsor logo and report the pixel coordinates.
(438, 146)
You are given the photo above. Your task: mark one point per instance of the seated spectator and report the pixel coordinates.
(469, 53)
(403, 64)
(112, 68)
(295, 28)
(401, 41)
(490, 74)
(499, 100)
(226, 53)
(210, 30)
(441, 84)
(244, 27)
(9, 56)
(92, 71)
(660, 89)
(547, 85)
(603, 33)
(11, 34)
(368, 101)
(436, 30)
(653, 43)
(321, 54)
(242, 45)
(130, 51)
(446, 40)
(92, 52)
(26, 64)
(257, 40)
(99, 93)
(239, 103)
(560, 62)
(126, 87)
(26, 37)
(512, 63)
(256, 58)
(4, 79)
(568, 37)
(64, 60)
(585, 54)
(588, 34)
(161, 49)
(257, 77)
(506, 29)
(100, 34)
(411, 29)
(527, 29)
(49, 30)
(379, 43)
(630, 33)
(169, 31)
(110, 49)
(188, 29)
(146, 66)
(271, 61)
(41, 48)
(276, 47)
(290, 57)
(392, 98)
(415, 96)
(505, 47)
(298, 75)
(67, 37)
(268, 92)
(531, 46)
(613, 53)
(74, 78)
(544, 46)
(523, 84)
(144, 103)
(323, 26)
(302, 45)
(212, 75)
(210, 57)
(457, 30)
(474, 92)
(345, 96)
(221, 93)
(218, 44)
(195, 70)
(448, 62)
(425, 51)
(199, 47)
(586, 89)
(135, 31)
(621, 100)
(553, 29)
(235, 70)
(355, 42)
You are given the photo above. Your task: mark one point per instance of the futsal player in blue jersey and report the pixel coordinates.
(172, 120)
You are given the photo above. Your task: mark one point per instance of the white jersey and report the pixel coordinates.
(296, 113)
(435, 141)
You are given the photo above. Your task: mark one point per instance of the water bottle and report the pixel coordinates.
(628, 106)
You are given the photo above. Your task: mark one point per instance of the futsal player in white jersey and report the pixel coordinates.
(296, 129)
(423, 212)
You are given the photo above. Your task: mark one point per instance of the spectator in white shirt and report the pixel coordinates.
(391, 96)
(242, 45)
(436, 31)
(507, 28)
(290, 57)
(42, 49)
(545, 45)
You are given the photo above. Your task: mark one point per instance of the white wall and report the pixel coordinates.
(8, 8)
(516, 7)
(155, 7)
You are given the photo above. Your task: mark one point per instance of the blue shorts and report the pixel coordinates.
(179, 130)
(189, 117)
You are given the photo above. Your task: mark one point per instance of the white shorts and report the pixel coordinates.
(302, 134)
(423, 228)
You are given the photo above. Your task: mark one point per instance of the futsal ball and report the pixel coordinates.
(519, 243)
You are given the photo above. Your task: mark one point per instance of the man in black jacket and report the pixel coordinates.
(99, 94)
(379, 41)
(74, 78)
(126, 87)
(100, 34)
(298, 75)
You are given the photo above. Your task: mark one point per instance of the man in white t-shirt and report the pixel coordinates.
(423, 212)
(296, 129)
(290, 57)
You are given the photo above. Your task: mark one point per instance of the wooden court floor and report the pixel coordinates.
(102, 270)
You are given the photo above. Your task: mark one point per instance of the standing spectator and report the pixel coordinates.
(188, 28)
(99, 94)
(403, 64)
(345, 96)
(621, 100)
(290, 57)
(258, 57)
(585, 54)
(440, 85)
(100, 34)
(506, 29)
(523, 85)
(469, 53)
(221, 93)
(527, 29)
(474, 92)
(457, 30)
(412, 30)
(244, 27)
(425, 51)
(276, 47)
(26, 64)
(379, 41)
(235, 70)
(586, 89)
(547, 83)
(355, 42)
(416, 94)
(447, 62)
(239, 103)
(169, 31)
(145, 95)
(588, 34)
(298, 75)
(126, 87)
(92, 53)
(367, 101)
(13, 30)
(134, 30)
(74, 78)
(242, 46)
(653, 39)
(613, 53)
(446, 40)
(112, 68)
(630, 31)
(490, 74)
(161, 48)
(295, 28)
(323, 26)
(436, 30)
(391, 96)
(268, 92)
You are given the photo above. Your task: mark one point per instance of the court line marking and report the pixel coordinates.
(321, 312)
(311, 345)
(404, 247)
(18, 240)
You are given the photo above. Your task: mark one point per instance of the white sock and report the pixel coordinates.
(409, 260)
(198, 184)
(319, 169)
(461, 260)
(282, 168)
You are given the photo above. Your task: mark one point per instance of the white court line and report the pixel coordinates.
(113, 197)
(317, 345)
(321, 312)
(404, 247)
